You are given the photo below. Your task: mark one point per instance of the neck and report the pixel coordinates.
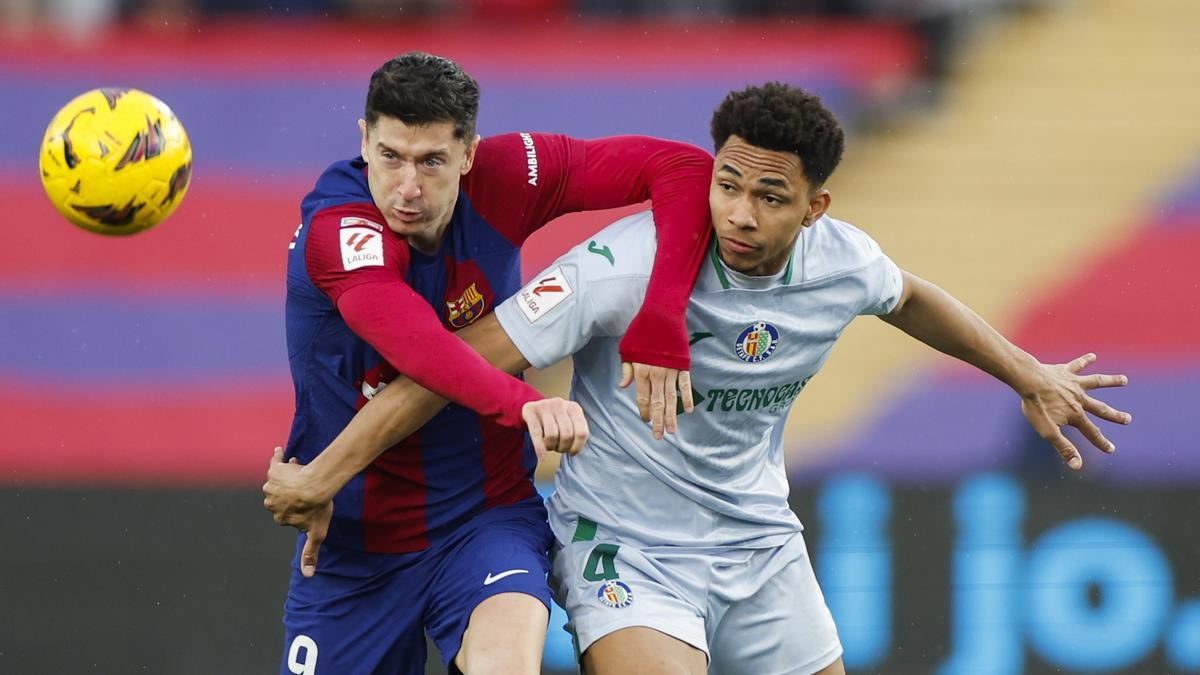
(428, 242)
(765, 268)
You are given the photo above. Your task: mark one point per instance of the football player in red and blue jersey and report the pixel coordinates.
(444, 534)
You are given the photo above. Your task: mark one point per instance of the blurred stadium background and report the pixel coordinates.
(1039, 159)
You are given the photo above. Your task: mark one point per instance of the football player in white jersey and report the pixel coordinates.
(682, 555)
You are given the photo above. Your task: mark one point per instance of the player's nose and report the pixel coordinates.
(410, 185)
(742, 215)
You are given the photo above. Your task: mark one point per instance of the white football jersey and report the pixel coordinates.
(755, 343)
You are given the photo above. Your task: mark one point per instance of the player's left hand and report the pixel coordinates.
(658, 391)
(1058, 397)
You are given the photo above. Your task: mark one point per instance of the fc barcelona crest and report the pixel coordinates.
(468, 307)
(757, 342)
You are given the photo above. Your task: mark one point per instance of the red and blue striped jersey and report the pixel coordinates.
(362, 307)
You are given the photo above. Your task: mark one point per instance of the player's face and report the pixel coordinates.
(414, 172)
(759, 201)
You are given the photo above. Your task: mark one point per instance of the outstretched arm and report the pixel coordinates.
(395, 413)
(1052, 396)
(301, 495)
(392, 318)
(360, 266)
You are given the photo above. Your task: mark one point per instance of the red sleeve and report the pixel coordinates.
(398, 323)
(349, 245)
(360, 265)
(676, 177)
(522, 181)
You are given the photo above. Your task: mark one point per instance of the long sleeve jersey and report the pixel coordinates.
(362, 308)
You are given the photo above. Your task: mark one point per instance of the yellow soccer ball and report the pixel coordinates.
(116, 161)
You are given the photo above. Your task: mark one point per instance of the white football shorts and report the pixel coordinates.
(752, 611)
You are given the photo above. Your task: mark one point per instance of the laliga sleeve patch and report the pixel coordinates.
(544, 293)
(361, 247)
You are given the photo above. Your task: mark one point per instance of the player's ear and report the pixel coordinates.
(471, 148)
(818, 204)
(362, 126)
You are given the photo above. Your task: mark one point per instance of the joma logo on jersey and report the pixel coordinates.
(468, 307)
(746, 400)
(757, 342)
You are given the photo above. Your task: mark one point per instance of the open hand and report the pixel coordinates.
(1059, 397)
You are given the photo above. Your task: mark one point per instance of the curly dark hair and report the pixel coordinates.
(419, 88)
(783, 118)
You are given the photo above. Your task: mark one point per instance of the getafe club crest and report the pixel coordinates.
(615, 594)
(757, 342)
(468, 307)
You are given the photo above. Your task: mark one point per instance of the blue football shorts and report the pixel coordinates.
(370, 612)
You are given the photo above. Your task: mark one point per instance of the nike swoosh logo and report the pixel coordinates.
(489, 580)
(696, 337)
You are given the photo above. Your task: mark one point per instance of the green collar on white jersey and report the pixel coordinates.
(719, 266)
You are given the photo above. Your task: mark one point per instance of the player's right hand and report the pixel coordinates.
(555, 425)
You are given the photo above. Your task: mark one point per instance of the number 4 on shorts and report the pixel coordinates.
(601, 564)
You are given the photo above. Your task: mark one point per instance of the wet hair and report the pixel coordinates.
(419, 88)
(783, 118)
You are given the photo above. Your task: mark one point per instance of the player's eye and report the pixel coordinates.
(433, 162)
(727, 187)
(772, 200)
(388, 155)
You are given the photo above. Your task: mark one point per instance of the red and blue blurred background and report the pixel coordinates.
(143, 380)
(180, 328)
